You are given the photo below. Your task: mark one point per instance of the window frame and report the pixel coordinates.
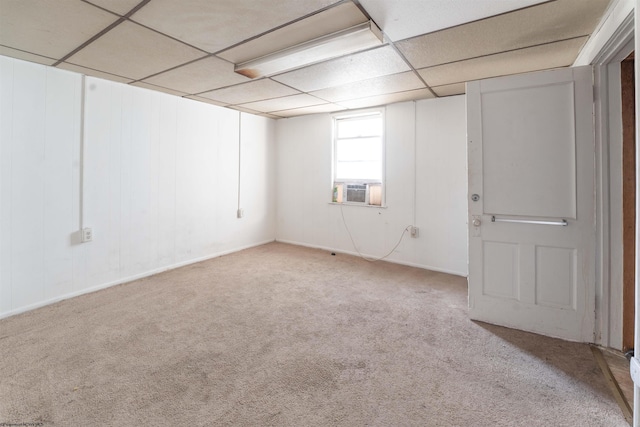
(335, 118)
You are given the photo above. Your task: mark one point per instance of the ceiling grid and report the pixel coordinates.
(189, 48)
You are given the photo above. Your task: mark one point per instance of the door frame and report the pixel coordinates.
(608, 143)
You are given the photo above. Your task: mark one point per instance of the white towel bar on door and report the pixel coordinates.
(562, 222)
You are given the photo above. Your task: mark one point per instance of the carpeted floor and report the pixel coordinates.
(281, 335)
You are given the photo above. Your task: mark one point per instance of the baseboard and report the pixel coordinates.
(410, 264)
(127, 279)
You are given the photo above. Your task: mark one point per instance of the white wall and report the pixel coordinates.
(426, 185)
(160, 176)
(156, 177)
(39, 152)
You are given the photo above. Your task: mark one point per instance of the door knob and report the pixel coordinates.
(476, 222)
(475, 197)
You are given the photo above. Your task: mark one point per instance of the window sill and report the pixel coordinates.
(360, 205)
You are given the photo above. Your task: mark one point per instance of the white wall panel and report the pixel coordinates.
(227, 158)
(27, 190)
(6, 131)
(139, 183)
(400, 180)
(425, 176)
(103, 131)
(61, 171)
(38, 158)
(159, 183)
(441, 207)
(166, 184)
(257, 178)
(195, 179)
(304, 180)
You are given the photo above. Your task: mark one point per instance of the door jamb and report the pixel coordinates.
(608, 226)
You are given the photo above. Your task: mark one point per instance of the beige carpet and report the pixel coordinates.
(281, 335)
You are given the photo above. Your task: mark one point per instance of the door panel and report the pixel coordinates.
(531, 163)
(501, 270)
(534, 134)
(556, 277)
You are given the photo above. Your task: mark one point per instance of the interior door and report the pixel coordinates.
(531, 202)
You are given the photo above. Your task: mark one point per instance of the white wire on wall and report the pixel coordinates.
(356, 247)
(239, 161)
(81, 195)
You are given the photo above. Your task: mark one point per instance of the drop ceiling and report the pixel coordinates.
(189, 47)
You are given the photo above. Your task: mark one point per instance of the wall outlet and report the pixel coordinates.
(415, 231)
(87, 234)
(240, 213)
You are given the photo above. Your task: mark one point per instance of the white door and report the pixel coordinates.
(531, 202)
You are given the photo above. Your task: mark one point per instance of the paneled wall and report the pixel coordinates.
(158, 178)
(39, 164)
(426, 186)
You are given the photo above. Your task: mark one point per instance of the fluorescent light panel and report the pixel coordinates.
(354, 39)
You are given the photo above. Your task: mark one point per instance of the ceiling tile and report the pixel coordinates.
(348, 69)
(51, 28)
(284, 103)
(92, 73)
(121, 7)
(158, 88)
(401, 19)
(249, 92)
(371, 87)
(208, 101)
(26, 56)
(448, 90)
(388, 99)
(543, 57)
(549, 22)
(133, 51)
(216, 25)
(316, 109)
(246, 110)
(329, 21)
(199, 76)
(269, 116)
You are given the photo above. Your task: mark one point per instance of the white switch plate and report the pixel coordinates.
(87, 234)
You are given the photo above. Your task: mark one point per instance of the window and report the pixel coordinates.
(358, 158)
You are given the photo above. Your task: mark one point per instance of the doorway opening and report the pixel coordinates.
(627, 83)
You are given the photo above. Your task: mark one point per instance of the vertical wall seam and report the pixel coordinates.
(79, 121)
(239, 157)
(44, 181)
(175, 184)
(121, 170)
(81, 169)
(10, 185)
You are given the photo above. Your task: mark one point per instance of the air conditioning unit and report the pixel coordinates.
(357, 193)
(364, 193)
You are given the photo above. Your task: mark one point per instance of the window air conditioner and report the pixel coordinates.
(364, 193)
(357, 193)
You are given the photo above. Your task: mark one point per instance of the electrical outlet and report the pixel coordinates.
(415, 231)
(87, 234)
